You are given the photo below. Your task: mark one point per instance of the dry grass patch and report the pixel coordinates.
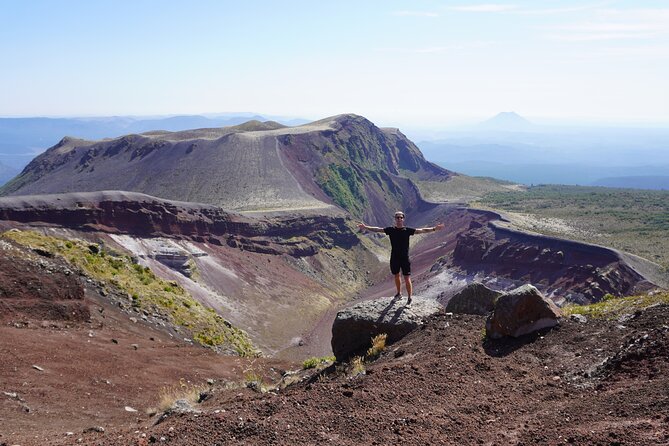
(186, 391)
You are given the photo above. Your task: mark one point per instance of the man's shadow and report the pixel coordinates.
(397, 311)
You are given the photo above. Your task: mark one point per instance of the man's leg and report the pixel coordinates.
(409, 287)
(398, 285)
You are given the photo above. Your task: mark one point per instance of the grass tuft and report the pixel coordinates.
(313, 362)
(169, 395)
(378, 345)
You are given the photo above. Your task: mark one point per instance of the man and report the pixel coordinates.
(399, 254)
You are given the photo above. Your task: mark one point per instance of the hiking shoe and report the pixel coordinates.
(397, 296)
(408, 301)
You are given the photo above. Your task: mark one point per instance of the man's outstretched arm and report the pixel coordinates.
(438, 227)
(364, 227)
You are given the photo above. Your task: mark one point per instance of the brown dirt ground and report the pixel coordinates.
(94, 359)
(595, 383)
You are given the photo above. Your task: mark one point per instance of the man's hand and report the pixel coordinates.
(362, 226)
(439, 227)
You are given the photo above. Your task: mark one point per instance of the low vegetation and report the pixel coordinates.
(461, 188)
(356, 365)
(612, 307)
(185, 390)
(144, 289)
(344, 186)
(636, 221)
(378, 345)
(314, 362)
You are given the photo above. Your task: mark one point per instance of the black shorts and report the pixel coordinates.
(402, 263)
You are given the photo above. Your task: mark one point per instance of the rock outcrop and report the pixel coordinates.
(354, 327)
(521, 311)
(475, 298)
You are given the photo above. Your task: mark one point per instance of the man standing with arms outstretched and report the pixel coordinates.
(399, 254)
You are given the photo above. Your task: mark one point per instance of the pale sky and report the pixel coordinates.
(395, 62)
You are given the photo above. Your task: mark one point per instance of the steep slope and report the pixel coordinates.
(273, 277)
(344, 160)
(72, 357)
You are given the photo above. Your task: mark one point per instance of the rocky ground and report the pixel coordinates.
(597, 383)
(74, 369)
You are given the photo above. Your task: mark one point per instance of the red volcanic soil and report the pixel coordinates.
(70, 361)
(594, 383)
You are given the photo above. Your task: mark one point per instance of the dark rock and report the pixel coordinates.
(354, 327)
(521, 311)
(475, 298)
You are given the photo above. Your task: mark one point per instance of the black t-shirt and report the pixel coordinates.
(399, 240)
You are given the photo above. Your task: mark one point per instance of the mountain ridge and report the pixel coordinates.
(343, 160)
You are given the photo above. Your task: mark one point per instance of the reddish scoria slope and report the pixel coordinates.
(70, 360)
(594, 383)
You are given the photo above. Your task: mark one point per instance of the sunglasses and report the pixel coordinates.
(399, 217)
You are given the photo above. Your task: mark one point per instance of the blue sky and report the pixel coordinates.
(398, 63)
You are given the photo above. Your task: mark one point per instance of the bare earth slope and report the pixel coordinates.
(71, 360)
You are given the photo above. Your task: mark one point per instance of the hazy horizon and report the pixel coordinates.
(421, 64)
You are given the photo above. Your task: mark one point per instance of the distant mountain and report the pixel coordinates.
(23, 138)
(506, 122)
(344, 160)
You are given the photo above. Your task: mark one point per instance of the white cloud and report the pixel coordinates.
(589, 37)
(614, 25)
(552, 11)
(415, 14)
(484, 8)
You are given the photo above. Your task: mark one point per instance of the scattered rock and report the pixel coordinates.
(354, 327)
(130, 409)
(94, 429)
(36, 367)
(475, 298)
(521, 311)
(578, 318)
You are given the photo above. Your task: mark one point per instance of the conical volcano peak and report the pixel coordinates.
(506, 121)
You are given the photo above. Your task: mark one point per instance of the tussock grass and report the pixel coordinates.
(356, 366)
(187, 391)
(144, 289)
(313, 362)
(378, 345)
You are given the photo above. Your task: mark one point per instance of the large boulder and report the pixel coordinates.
(475, 298)
(521, 311)
(354, 327)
